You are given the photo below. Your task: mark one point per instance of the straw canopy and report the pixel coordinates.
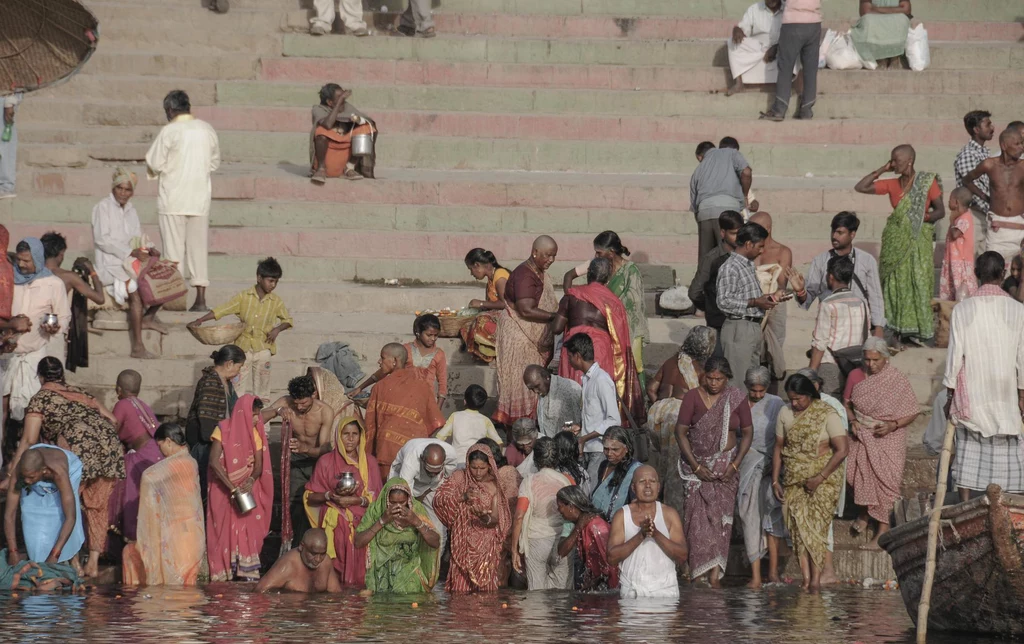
(43, 42)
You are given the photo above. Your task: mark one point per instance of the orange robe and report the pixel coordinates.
(402, 406)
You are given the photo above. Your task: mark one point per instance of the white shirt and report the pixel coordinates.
(986, 337)
(35, 299)
(527, 467)
(407, 465)
(600, 406)
(760, 21)
(183, 155)
(113, 228)
(648, 571)
(465, 429)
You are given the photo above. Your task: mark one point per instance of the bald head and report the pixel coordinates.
(395, 350)
(129, 382)
(434, 456)
(537, 379)
(1009, 135)
(646, 469)
(646, 484)
(32, 462)
(763, 219)
(962, 196)
(905, 150)
(544, 243)
(315, 538)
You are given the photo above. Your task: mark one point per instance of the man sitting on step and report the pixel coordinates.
(351, 15)
(754, 46)
(335, 123)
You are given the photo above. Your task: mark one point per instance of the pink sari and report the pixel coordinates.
(134, 420)
(233, 540)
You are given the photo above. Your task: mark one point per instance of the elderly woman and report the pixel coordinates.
(519, 452)
(473, 507)
(810, 446)
(754, 502)
(678, 375)
(538, 524)
(121, 249)
(212, 402)
(401, 543)
(613, 487)
(339, 508)
(906, 262)
(171, 545)
(586, 533)
(479, 335)
(881, 33)
(714, 432)
(882, 404)
(523, 338)
(66, 416)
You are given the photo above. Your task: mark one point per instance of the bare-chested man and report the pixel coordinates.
(307, 569)
(1006, 180)
(776, 258)
(311, 421)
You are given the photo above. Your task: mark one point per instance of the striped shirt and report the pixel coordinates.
(841, 323)
(259, 317)
(737, 285)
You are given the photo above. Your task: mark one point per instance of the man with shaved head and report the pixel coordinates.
(136, 425)
(1006, 179)
(425, 463)
(773, 268)
(559, 400)
(956, 280)
(306, 569)
(402, 407)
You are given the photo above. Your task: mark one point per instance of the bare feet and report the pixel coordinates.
(774, 578)
(859, 526)
(735, 89)
(828, 577)
(873, 546)
(154, 325)
(143, 354)
(754, 585)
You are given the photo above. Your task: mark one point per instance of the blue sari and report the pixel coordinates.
(42, 514)
(610, 500)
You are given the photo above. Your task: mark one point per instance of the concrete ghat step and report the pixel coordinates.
(113, 60)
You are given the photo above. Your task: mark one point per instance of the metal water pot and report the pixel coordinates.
(245, 501)
(347, 482)
(362, 145)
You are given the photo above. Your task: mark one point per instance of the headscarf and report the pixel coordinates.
(389, 543)
(237, 439)
(360, 462)
(38, 258)
(123, 175)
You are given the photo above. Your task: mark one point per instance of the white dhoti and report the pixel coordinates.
(747, 60)
(21, 381)
(1005, 241)
(121, 290)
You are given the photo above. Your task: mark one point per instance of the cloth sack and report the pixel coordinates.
(918, 54)
(160, 282)
(842, 54)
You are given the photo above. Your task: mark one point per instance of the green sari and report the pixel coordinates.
(398, 559)
(878, 36)
(906, 264)
(628, 285)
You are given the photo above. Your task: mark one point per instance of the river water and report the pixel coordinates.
(232, 613)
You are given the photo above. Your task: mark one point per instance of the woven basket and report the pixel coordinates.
(451, 325)
(45, 42)
(217, 335)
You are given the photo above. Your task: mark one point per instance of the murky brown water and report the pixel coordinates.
(232, 613)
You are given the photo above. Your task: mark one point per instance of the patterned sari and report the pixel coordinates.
(808, 516)
(593, 572)
(628, 285)
(480, 335)
(398, 559)
(661, 422)
(906, 262)
(476, 550)
(709, 505)
(875, 465)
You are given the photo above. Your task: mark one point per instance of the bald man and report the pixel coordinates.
(136, 424)
(306, 569)
(559, 400)
(402, 407)
(772, 268)
(425, 463)
(1006, 180)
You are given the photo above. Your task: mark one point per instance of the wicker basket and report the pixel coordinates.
(451, 325)
(217, 335)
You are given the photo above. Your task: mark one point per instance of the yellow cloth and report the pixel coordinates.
(216, 436)
(259, 317)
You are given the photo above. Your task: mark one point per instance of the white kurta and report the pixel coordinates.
(113, 228)
(761, 28)
(986, 338)
(183, 155)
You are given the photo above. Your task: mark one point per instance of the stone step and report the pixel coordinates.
(145, 91)
(114, 61)
(609, 51)
(181, 38)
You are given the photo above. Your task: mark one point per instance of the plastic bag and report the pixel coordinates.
(842, 54)
(675, 299)
(830, 37)
(918, 54)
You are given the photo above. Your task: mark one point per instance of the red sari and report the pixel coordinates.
(613, 349)
(339, 522)
(593, 572)
(233, 540)
(6, 278)
(476, 550)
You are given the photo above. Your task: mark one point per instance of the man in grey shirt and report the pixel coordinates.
(721, 182)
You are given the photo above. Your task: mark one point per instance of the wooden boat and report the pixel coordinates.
(979, 574)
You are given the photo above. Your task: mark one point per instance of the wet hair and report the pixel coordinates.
(575, 496)
(328, 91)
(989, 267)
(424, 322)
(729, 142)
(228, 353)
(840, 268)
(523, 427)
(569, 455)
(974, 118)
(703, 147)
(599, 270)
(177, 102)
(130, 381)
(730, 220)
(758, 375)
(609, 240)
(301, 387)
(53, 244)
(846, 219)
(170, 431)
(802, 386)
(475, 397)
(23, 247)
(496, 452)
(621, 435)
(481, 256)
(719, 364)
(50, 369)
(752, 233)
(269, 268)
(581, 345)
(545, 453)
(257, 405)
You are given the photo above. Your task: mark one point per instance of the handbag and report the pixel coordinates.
(161, 282)
(642, 441)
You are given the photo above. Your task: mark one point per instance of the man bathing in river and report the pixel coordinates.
(307, 569)
(1006, 178)
(311, 420)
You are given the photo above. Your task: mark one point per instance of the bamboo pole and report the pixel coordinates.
(933, 535)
